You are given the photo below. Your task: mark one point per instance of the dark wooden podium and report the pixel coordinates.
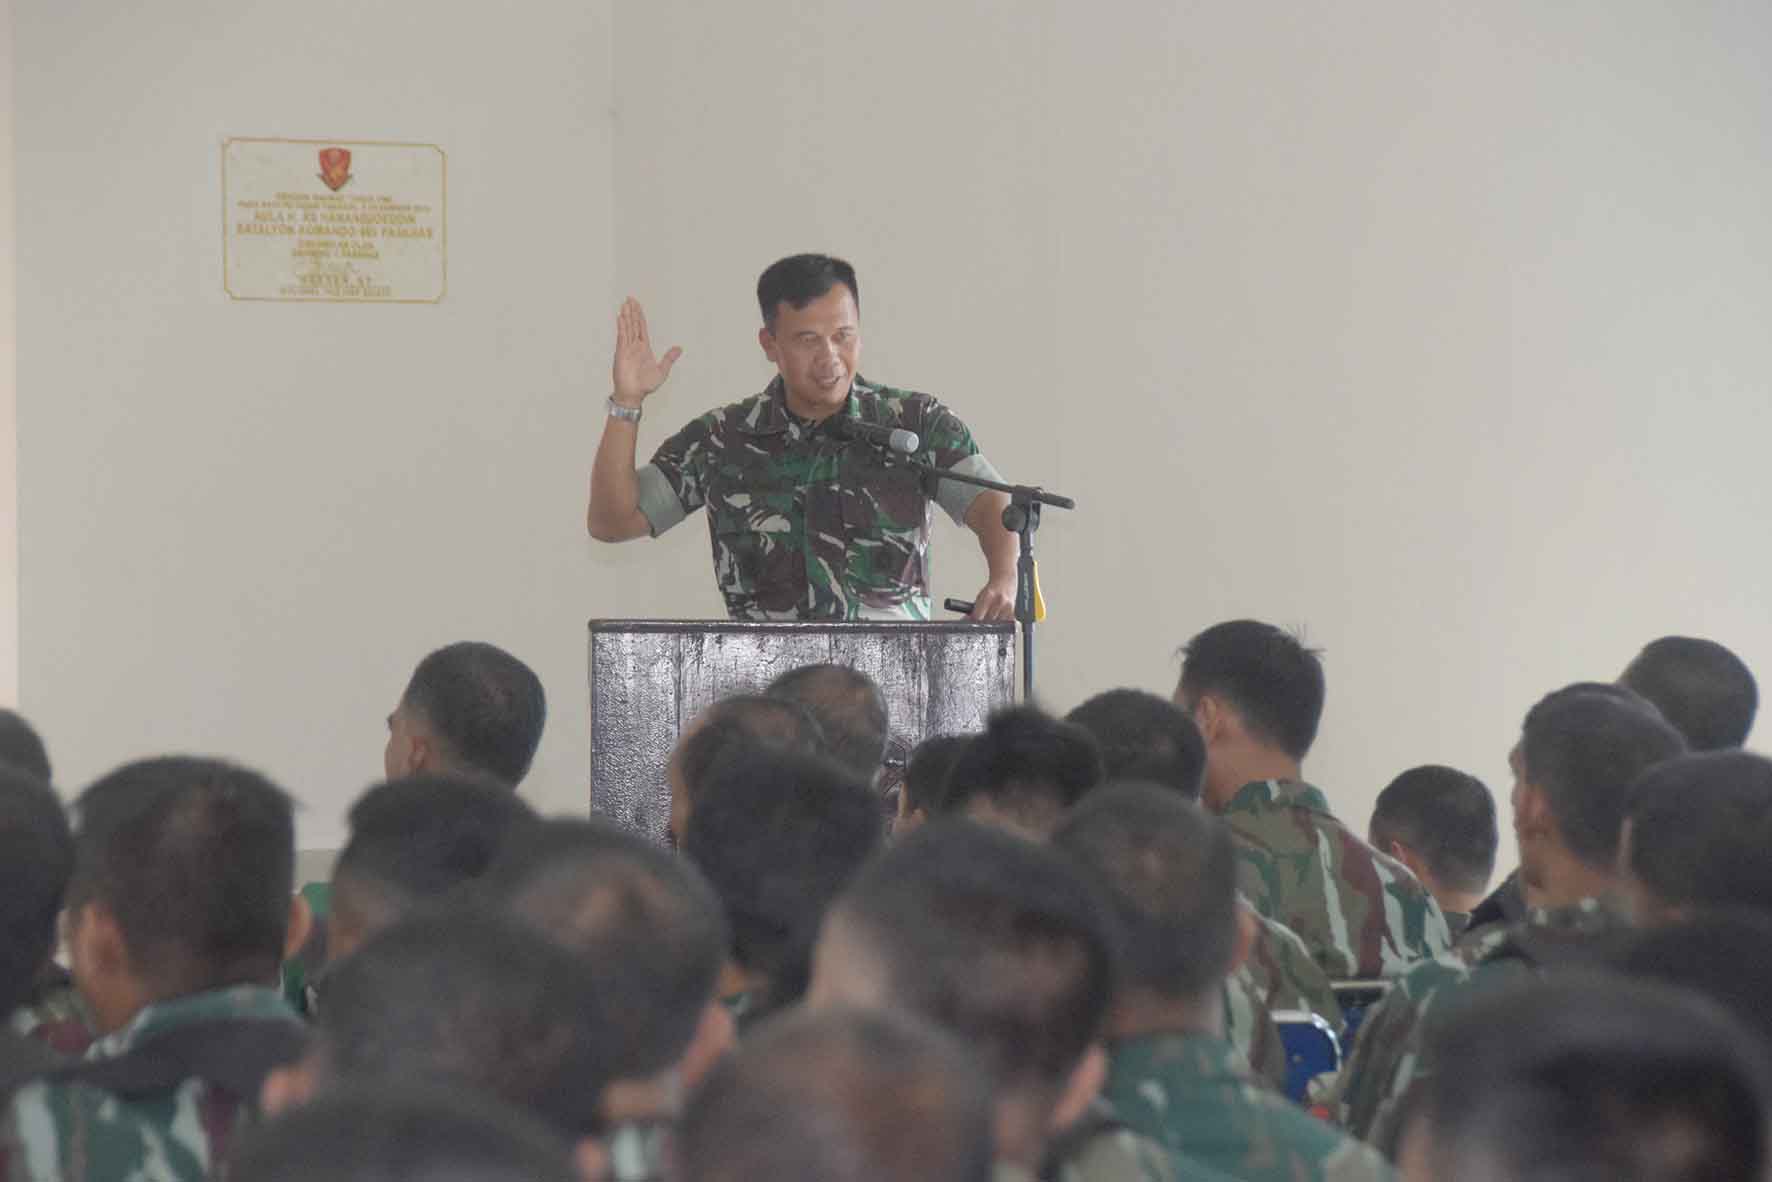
(650, 677)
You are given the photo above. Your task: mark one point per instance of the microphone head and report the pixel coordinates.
(903, 442)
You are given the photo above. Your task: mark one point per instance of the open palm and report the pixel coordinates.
(637, 371)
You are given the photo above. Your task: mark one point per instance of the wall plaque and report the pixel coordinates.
(334, 220)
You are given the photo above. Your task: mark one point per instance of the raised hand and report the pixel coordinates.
(636, 371)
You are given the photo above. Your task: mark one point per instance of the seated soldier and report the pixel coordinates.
(841, 1096)
(1440, 822)
(472, 710)
(1023, 772)
(1705, 690)
(1697, 836)
(850, 709)
(1723, 956)
(926, 781)
(778, 836)
(1007, 945)
(1170, 870)
(1597, 1078)
(1580, 750)
(738, 723)
(1256, 694)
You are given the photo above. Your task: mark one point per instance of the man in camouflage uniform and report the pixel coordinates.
(1170, 869)
(1256, 694)
(805, 524)
(1579, 752)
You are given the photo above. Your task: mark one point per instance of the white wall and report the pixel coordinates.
(8, 382)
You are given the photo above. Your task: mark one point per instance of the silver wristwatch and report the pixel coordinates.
(630, 414)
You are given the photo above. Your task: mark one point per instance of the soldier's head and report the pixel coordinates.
(845, 1096)
(1143, 737)
(926, 777)
(739, 723)
(414, 841)
(1705, 690)
(1006, 943)
(182, 883)
(471, 709)
(1023, 772)
(38, 853)
(779, 835)
(850, 709)
(1725, 956)
(1439, 822)
(1699, 836)
(1256, 693)
(811, 330)
(22, 747)
(1580, 750)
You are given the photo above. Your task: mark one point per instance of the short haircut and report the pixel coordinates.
(779, 836)
(843, 1096)
(485, 704)
(1582, 747)
(1705, 690)
(1144, 737)
(195, 859)
(1725, 956)
(1266, 673)
(38, 853)
(1596, 1077)
(798, 280)
(645, 921)
(1007, 943)
(1171, 873)
(1028, 765)
(402, 1132)
(474, 999)
(850, 709)
(926, 775)
(1445, 815)
(1701, 830)
(22, 747)
(740, 723)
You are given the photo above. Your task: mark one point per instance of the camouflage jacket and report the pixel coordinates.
(1101, 1148)
(807, 526)
(52, 1132)
(1387, 1056)
(637, 1151)
(1278, 974)
(1249, 1026)
(1361, 913)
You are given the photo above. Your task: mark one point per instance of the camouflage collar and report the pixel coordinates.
(1584, 915)
(768, 413)
(239, 1001)
(1278, 794)
(1193, 1052)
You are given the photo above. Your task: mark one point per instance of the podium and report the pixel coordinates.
(651, 677)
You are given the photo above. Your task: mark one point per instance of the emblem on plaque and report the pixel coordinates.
(335, 167)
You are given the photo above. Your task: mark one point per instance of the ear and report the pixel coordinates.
(1081, 1089)
(715, 1035)
(1213, 718)
(96, 940)
(591, 1159)
(1532, 816)
(766, 339)
(287, 1088)
(1248, 927)
(301, 926)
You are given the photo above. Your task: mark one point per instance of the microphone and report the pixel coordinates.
(896, 439)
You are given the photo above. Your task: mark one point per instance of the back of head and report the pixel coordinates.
(1701, 832)
(779, 836)
(194, 858)
(646, 923)
(1447, 817)
(1006, 943)
(850, 709)
(1705, 690)
(37, 852)
(475, 1000)
(1171, 872)
(931, 766)
(1598, 1077)
(801, 278)
(1025, 770)
(403, 1133)
(21, 747)
(486, 706)
(741, 723)
(842, 1096)
(1144, 737)
(1582, 747)
(1266, 674)
(1725, 956)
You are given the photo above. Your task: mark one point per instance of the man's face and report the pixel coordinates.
(817, 349)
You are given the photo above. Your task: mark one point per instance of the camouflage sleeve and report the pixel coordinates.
(1249, 1026)
(1301, 983)
(1387, 1052)
(949, 446)
(69, 1133)
(674, 484)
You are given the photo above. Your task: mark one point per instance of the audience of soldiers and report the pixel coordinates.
(1076, 949)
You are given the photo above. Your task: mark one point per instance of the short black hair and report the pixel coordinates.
(37, 851)
(402, 1132)
(485, 704)
(850, 709)
(1144, 737)
(740, 723)
(1596, 1077)
(779, 835)
(477, 999)
(1007, 943)
(22, 747)
(799, 279)
(1266, 673)
(1583, 746)
(1701, 830)
(1725, 956)
(1171, 872)
(647, 924)
(421, 838)
(195, 859)
(844, 1096)
(1705, 690)
(1445, 815)
(1028, 765)
(927, 772)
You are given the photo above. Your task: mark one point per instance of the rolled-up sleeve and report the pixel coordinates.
(949, 446)
(955, 498)
(672, 486)
(658, 499)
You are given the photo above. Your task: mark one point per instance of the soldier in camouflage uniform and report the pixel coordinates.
(805, 524)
